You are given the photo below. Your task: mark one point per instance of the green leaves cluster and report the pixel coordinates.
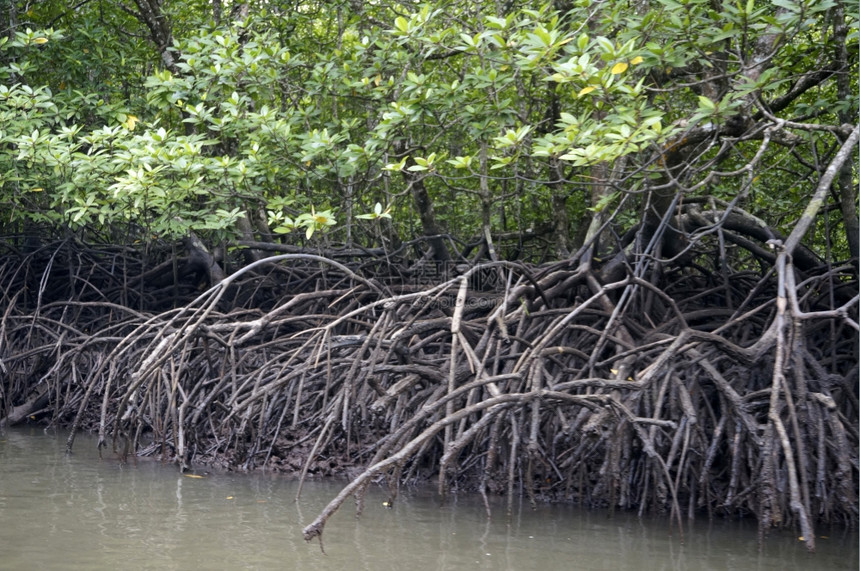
(313, 119)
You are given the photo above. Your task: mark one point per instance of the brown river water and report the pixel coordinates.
(71, 512)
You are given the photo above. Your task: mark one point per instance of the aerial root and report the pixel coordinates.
(671, 398)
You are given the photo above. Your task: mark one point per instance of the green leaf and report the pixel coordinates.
(706, 103)
(396, 167)
(460, 162)
(604, 201)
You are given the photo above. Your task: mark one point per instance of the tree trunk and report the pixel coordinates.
(427, 214)
(487, 207)
(847, 189)
(149, 12)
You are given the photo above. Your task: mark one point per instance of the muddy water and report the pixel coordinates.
(77, 512)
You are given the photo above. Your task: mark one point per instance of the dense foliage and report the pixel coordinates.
(539, 120)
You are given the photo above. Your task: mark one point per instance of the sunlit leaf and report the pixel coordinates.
(619, 67)
(130, 122)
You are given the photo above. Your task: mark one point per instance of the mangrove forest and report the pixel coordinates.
(596, 252)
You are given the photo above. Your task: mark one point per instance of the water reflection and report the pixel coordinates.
(77, 512)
